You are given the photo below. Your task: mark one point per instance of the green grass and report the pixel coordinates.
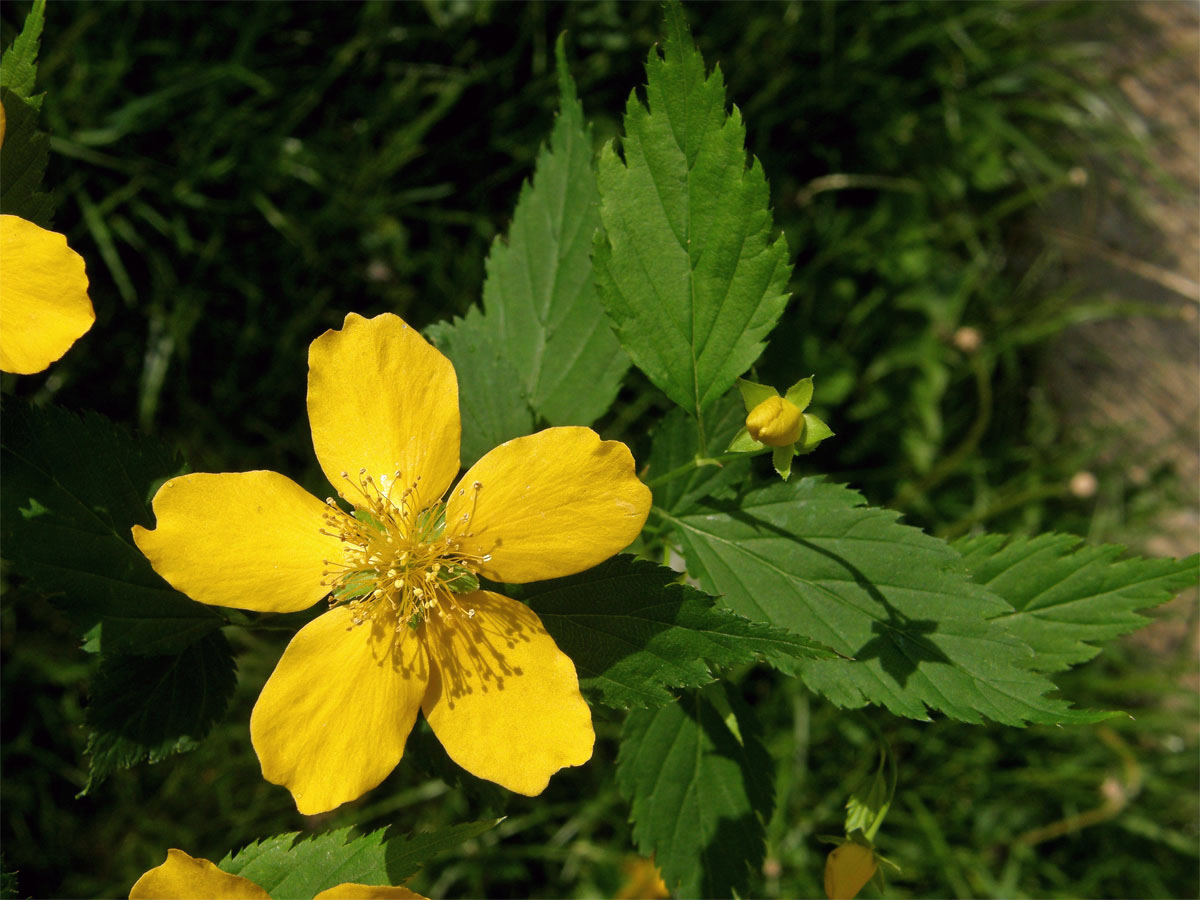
(238, 177)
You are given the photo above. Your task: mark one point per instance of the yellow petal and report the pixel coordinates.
(251, 540)
(847, 869)
(554, 503)
(183, 877)
(776, 422)
(367, 892)
(332, 719)
(381, 398)
(503, 699)
(44, 305)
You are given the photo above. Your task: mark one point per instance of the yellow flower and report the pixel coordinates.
(44, 305)
(847, 869)
(184, 877)
(408, 627)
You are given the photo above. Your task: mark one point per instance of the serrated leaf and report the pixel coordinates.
(676, 444)
(1066, 597)
(491, 397)
(810, 557)
(23, 162)
(687, 267)
(18, 68)
(540, 295)
(72, 490)
(699, 795)
(288, 868)
(633, 632)
(145, 708)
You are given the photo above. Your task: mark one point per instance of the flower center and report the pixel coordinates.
(398, 563)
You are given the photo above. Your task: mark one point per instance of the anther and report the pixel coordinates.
(477, 485)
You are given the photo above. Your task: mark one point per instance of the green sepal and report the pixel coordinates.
(431, 522)
(743, 443)
(358, 585)
(782, 458)
(368, 519)
(754, 393)
(800, 394)
(870, 801)
(461, 581)
(814, 432)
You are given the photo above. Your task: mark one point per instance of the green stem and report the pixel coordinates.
(697, 463)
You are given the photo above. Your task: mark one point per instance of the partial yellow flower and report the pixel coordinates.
(643, 880)
(184, 877)
(44, 304)
(847, 870)
(409, 628)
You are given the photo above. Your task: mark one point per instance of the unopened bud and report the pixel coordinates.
(776, 422)
(847, 869)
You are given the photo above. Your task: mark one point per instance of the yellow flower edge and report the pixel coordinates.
(408, 627)
(847, 870)
(44, 304)
(183, 877)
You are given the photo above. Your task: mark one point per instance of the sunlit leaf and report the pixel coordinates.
(540, 296)
(810, 557)
(690, 267)
(1066, 597)
(287, 866)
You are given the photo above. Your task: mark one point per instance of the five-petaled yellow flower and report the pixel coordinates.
(184, 877)
(44, 304)
(408, 627)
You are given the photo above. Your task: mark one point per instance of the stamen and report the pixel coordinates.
(398, 565)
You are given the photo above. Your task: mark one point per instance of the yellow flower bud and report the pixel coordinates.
(847, 869)
(776, 422)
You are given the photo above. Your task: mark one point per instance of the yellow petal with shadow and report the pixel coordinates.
(332, 720)
(381, 398)
(44, 305)
(503, 699)
(367, 892)
(251, 540)
(551, 504)
(183, 877)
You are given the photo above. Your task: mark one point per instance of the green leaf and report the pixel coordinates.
(145, 708)
(288, 868)
(633, 632)
(687, 268)
(72, 490)
(810, 557)
(23, 162)
(1067, 597)
(676, 444)
(698, 794)
(18, 68)
(539, 295)
(491, 397)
